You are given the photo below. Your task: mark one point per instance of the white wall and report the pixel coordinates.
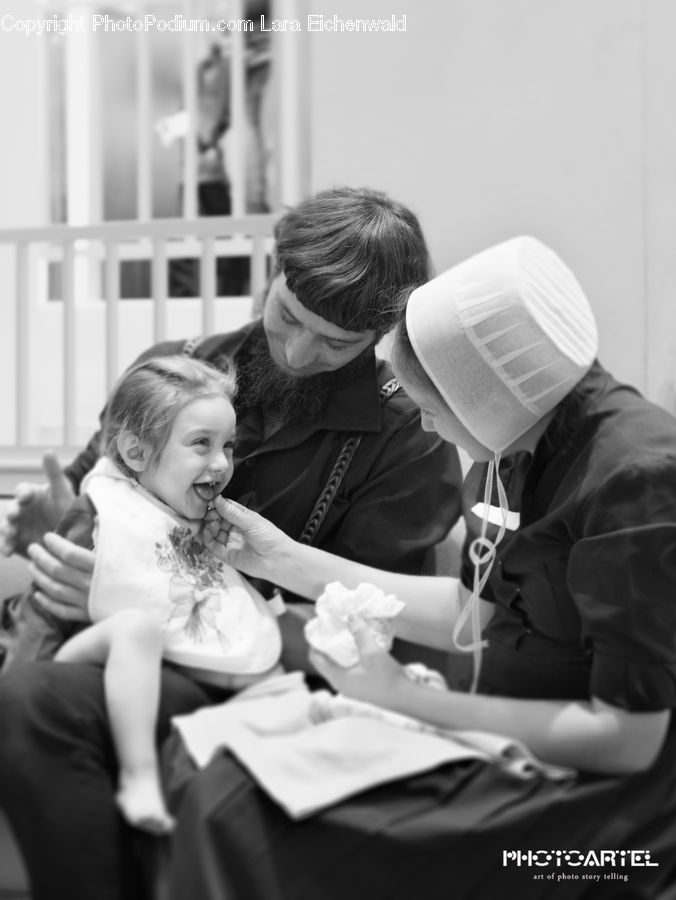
(23, 198)
(659, 166)
(497, 117)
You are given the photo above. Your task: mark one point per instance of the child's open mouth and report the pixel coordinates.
(208, 490)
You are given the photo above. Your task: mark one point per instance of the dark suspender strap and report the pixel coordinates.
(340, 467)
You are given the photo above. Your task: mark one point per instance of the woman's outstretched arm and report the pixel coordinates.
(593, 736)
(253, 545)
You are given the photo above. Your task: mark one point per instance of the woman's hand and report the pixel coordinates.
(62, 572)
(244, 540)
(35, 508)
(377, 678)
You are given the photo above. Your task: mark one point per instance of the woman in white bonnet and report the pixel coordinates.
(565, 612)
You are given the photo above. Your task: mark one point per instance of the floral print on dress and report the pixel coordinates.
(195, 586)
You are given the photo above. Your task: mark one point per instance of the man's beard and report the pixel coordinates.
(261, 383)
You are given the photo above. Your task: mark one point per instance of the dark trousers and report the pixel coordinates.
(232, 272)
(436, 836)
(58, 779)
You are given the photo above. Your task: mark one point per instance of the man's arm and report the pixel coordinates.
(38, 629)
(62, 573)
(36, 508)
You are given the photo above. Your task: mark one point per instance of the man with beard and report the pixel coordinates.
(346, 261)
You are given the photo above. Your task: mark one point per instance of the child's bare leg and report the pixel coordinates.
(129, 644)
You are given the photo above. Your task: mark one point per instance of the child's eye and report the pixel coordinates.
(201, 442)
(285, 317)
(334, 345)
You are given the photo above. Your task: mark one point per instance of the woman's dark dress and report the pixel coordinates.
(586, 605)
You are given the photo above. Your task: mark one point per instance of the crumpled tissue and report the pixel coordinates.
(329, 631)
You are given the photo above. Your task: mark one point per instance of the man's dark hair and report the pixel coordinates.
(352, 256)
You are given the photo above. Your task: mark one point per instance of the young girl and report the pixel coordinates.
(156, 590)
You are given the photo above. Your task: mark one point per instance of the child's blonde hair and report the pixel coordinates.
(147, 398)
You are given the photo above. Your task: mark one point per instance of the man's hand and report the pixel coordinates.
(35, 509)
(62, 572)
(243, 539)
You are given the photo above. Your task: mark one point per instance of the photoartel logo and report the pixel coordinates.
(573, 858)
(578, 865)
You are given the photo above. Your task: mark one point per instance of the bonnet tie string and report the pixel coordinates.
(482, 552)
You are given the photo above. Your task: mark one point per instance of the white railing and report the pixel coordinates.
(59, 357)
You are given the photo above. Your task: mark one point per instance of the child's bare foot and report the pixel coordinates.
(141, 803)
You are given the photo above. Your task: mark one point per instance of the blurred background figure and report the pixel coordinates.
(214, 194)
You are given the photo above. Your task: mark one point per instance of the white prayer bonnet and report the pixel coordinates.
(504, 336)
